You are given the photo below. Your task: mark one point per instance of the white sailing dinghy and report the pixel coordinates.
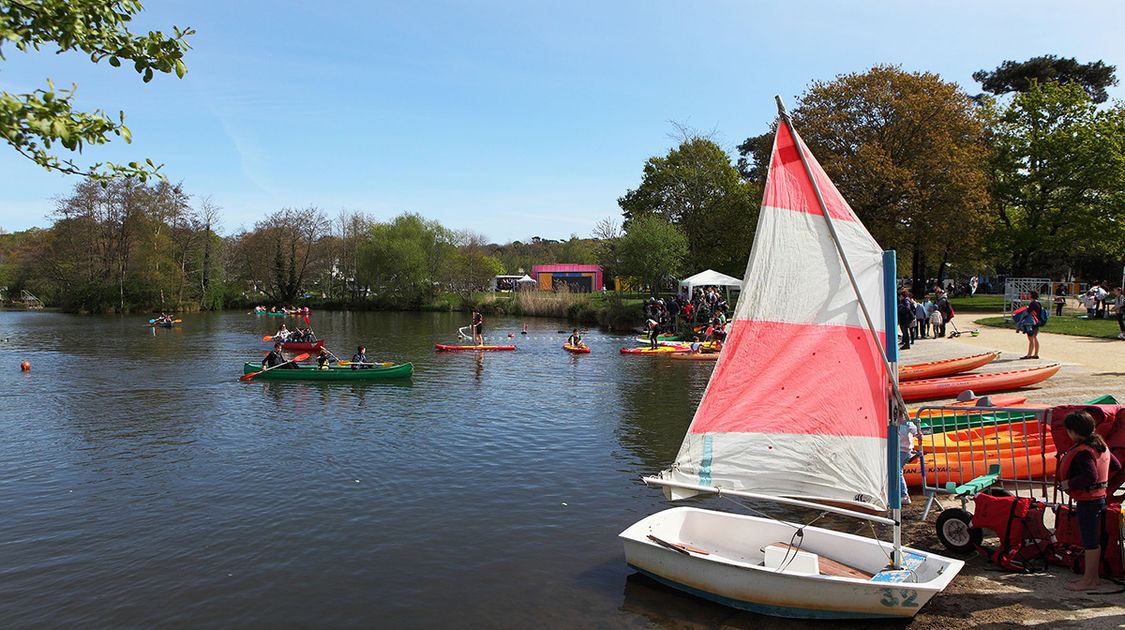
(797, 411)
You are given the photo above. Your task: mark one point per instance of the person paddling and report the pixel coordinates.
(359, 359)
(322, 360)
(282, 334)
(575, 339)
(276, 358)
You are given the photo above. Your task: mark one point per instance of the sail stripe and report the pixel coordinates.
(805, 267)
(805, 374)
(788, 185)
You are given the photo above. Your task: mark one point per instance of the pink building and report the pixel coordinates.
(578, 278)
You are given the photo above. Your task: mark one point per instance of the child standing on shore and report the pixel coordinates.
(1084, 470)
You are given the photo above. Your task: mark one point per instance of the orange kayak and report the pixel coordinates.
(941, 469)
(950, 386)
(934, 369)
(1000, 440)
(698, 356)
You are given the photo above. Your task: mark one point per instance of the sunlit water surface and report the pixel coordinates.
(144, 485)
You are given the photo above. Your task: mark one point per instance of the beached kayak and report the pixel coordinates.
(302, 346)
(444, 348)
(950, 386)
(583, 349)
(935, 369)
(313, 373)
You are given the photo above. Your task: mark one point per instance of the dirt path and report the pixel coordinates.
(982, 596)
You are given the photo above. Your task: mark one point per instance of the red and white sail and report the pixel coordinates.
(797, 405)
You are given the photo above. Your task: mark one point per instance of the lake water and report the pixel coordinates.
(144, 485)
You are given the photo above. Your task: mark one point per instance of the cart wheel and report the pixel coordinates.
(954, 532)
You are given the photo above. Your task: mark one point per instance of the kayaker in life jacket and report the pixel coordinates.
(1085, 469)
(322, 360)
(575, 339)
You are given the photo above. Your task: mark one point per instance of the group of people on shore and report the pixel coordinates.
(917, 318)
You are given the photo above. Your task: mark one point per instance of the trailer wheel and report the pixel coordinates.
(954, 532)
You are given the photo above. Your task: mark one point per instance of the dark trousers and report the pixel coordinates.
(904, 328)
(939, 329)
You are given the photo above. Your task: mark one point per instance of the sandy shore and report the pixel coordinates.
(983, 596)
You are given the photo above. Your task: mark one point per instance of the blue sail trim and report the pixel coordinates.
(705, 464)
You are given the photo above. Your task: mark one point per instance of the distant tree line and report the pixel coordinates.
(1027, 178)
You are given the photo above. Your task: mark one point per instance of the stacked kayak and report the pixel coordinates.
(582, 349)
(444, 348)
(950, 386)
(947, 418)
(934, 369)
(333, 373)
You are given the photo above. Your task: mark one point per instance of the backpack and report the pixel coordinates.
(1046, 316)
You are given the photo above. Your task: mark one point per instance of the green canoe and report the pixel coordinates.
(312, 373)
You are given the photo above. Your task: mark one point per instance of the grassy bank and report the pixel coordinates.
(1066, 324)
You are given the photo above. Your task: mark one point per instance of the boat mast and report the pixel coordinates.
(898, 404)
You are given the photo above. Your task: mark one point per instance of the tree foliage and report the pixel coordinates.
(33, 122)
(653, 250)
(906, 151)
(1015, 76)
(696, 188)
(1058, 179)
(403, 261)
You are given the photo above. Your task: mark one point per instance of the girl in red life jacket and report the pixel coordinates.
(1084, 470)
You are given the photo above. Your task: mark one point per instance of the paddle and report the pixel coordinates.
(349, 363)
(299, 357)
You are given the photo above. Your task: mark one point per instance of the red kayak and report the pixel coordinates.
(950, 386)
(302, 346)
(934, 369)
(583, 349)
(442, 348)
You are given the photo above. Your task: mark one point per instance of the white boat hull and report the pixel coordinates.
(732, 572)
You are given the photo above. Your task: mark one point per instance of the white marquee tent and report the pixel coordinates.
(709, 278)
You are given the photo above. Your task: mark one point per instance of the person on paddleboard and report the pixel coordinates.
(575, 339)
(478, 328)
(653, 332)
(360, 357)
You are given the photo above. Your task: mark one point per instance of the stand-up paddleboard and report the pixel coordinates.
(583, 349)
(657, 350)
(444, 348)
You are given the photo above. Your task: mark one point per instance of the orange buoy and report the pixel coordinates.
(25, 366)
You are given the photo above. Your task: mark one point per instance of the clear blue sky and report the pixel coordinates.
(512, 119)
